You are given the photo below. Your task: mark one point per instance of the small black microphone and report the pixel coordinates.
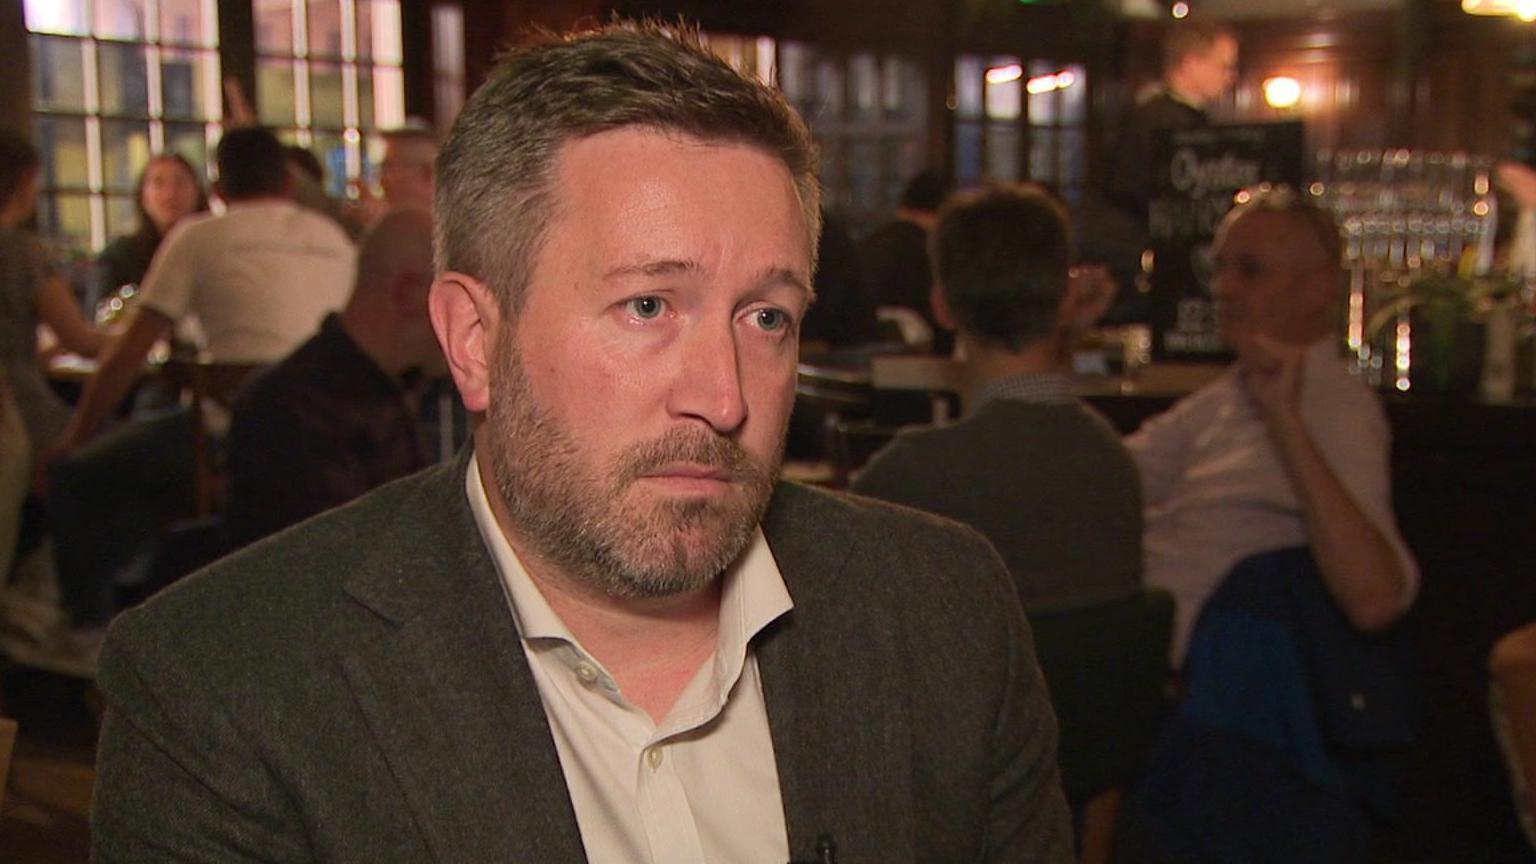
(826, 851)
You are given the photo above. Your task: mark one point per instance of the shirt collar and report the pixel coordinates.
(1046, 388)
(752, 592)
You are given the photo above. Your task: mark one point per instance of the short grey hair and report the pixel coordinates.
(495, 174)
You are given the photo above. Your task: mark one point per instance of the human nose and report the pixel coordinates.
(709, 385)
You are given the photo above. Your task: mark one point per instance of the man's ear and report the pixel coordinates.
(940, 303)
(467, 319)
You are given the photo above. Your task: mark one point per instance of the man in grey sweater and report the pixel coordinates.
(1032, 467)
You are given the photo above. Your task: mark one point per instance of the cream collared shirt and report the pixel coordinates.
(702, 785)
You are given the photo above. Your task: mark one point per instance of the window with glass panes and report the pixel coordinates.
(113, 82)
(1004, 105)
(447, 63)
(866, 110)
(869, 114)
(329, 77)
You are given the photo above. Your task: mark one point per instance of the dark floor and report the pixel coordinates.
(47, 797)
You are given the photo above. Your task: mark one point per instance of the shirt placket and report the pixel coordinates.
(665, 813)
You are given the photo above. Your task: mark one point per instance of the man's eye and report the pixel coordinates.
(645, 307)
(771, 319)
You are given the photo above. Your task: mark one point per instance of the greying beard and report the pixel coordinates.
(574, 513)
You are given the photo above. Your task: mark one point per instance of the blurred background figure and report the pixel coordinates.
(32, 292)
(309, 189)
(1199, 66)
(32, 416)
(167, 190)
(258, 278)
(843, 314)
(1044, 476)
(1031, 466)
(407, 173)
(895, 255)
(408, 170)
(337, 417)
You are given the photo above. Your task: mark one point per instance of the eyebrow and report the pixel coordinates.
(670, 266)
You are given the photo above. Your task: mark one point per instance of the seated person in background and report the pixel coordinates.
(895, 255)
(1036, 470)
(1285, 450)
(258, 279)
(407, 173)
(33, 293)
(843, 315)
(337, 417)
(168, 190)
(309, 190)
(15, 475)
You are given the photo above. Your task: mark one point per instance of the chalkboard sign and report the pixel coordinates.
(1197, 173)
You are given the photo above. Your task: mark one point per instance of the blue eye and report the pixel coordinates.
(646, 307)
(771, 319)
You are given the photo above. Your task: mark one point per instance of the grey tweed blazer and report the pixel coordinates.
(353, 689)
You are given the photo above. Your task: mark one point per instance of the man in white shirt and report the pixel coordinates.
(257, 278)
(256, 281)
(1287, 449)
(605, 632)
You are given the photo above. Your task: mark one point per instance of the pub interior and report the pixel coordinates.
(1399, 117)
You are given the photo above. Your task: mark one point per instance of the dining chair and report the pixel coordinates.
(208, 389)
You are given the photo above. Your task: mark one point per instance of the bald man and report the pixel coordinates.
(337, 417)
(1287, 449)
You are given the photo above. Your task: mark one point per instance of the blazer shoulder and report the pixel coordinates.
(890, 549)
(286, 586)
(856, 517)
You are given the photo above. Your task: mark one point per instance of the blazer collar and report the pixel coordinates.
(447, 691)
(839, 717)
(450, 698)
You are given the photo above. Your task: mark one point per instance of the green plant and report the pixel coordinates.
(1444, 305)
(1446, 297)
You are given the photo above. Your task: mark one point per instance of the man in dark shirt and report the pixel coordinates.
(336, 417)
(1199, 65)
(895, 255)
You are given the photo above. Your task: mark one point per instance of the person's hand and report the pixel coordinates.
(1271, 373)
(1519, 181)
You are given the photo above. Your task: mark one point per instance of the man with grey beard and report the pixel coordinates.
(607, 632)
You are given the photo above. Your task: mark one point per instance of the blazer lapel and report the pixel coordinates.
(840, 725)
(446, 689)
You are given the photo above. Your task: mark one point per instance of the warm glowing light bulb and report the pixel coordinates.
(1004, 74)
(1180, 9)
(1282, 92)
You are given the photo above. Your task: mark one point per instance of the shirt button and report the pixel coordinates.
(586, 673)
(653, 756)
